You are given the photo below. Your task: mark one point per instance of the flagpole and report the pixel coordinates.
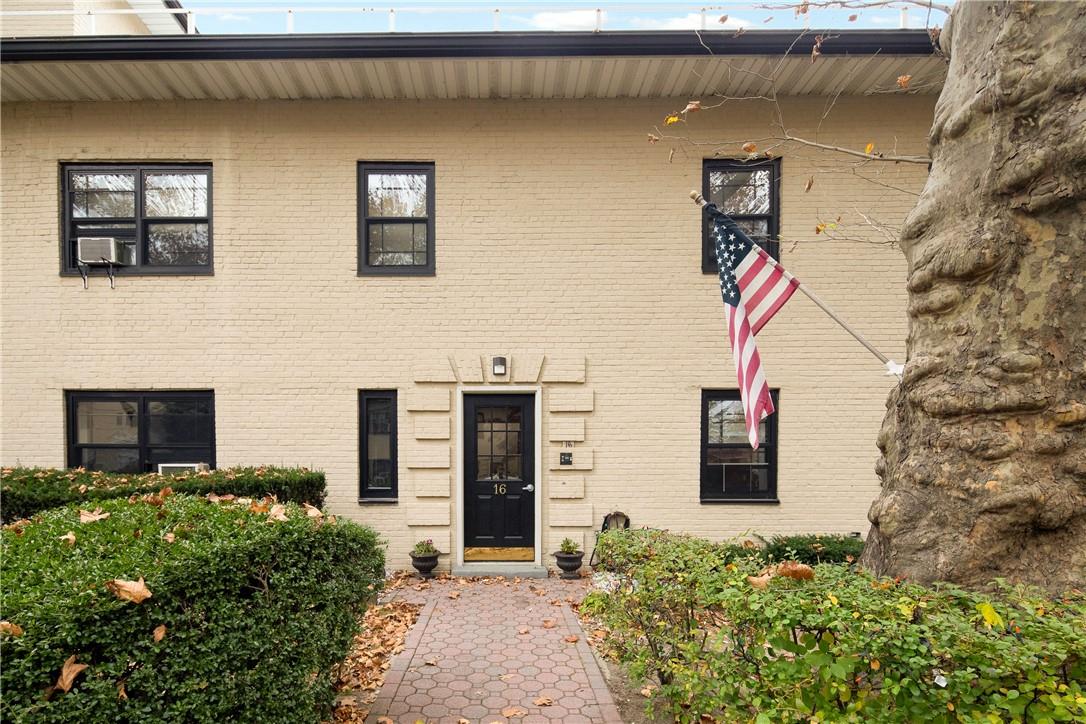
(892, 367)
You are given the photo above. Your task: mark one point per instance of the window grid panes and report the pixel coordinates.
(748, 192)
(161, 214)
(133, 432)
(731, 470)
(377, 453)
(498, 440)
(396, 218)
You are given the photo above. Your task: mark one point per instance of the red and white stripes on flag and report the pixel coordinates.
(754, 288)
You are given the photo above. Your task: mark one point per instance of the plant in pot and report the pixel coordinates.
(569, 559)
(424, 558)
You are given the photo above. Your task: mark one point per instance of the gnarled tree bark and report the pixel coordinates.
(983, 446)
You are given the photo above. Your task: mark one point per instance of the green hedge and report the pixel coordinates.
(256, 611)
(729, 644)
(813, 549)
(26, 491)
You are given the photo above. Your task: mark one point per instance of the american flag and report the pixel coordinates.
(754, 288)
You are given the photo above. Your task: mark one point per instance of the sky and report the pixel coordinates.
(324, 16)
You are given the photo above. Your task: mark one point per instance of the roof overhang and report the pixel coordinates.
(466, 65)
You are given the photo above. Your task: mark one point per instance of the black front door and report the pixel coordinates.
(499, 477)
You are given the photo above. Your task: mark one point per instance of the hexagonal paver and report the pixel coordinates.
(466, 658)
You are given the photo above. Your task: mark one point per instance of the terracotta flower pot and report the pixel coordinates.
(570, 563)
(425, 565)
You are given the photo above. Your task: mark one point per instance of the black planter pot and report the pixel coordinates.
(425, 565)
(570, 563)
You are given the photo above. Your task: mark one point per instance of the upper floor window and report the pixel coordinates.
(749, 192)
(134, 432)
(396, 218)
(159, 216)
(730, 469)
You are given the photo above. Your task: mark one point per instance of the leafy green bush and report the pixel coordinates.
(726, 641)
(251, 604)
(25, 491)
(812, 549)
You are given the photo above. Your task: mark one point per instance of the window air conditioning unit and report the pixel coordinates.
(180, 468)
(101, 250)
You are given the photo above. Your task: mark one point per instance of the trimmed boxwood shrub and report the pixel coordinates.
(728, 643)
(25, 491)
(815, 548)
(257, 601)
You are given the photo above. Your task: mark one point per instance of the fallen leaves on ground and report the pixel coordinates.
(68, 673)
(87, 516)
(549, 623)
(278, 512)
(361, 674)
(69, 538)
(647, 692)
(454, 595)
(543, 701)
(134, 591)
(513, 711)
(160, 632)
(523, 630)
(571, 639)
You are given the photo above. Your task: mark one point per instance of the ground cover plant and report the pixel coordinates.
(179, 608)
(731, 638)
(26, 491)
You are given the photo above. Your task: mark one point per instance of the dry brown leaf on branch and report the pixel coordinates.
(852, 18)
(671, 119)
(69, 538)
(809, 185)
(160, 632)
(692, 107)
(759, 582)
(134, 591)
(798, 571)
(571, 639)
(749, 147)
(722, 19)
(869, 148)
(68, 674)
(903, 81)
(86, 516)
(514, 711)
(543, 701)
(549, 623)
(11, 629)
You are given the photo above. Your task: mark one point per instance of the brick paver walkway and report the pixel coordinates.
(469, 656)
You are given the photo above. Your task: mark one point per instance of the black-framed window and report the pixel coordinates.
(160, 213)
(135, 431)
(377, 445)
(730, 470)
(395, 218)
(749, 192)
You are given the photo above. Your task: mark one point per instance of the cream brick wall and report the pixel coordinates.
(76, 22)
(564, 241)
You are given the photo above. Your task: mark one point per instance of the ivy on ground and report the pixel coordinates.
(728, 640)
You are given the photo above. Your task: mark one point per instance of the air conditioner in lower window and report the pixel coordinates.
(180, 468)
(101, 250)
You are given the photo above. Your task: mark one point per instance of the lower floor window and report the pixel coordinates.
(135, 432)
(730, 469)
(377, 440)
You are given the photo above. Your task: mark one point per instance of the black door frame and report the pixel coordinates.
(529, 399)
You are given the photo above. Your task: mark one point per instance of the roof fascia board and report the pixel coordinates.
(461, 45)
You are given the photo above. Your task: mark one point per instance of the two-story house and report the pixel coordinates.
(454, 271)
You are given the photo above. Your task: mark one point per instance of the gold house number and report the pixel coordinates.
(499, 488)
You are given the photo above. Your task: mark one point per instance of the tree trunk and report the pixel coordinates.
(983, 446)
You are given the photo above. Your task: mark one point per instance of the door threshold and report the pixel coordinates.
(509, 570)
